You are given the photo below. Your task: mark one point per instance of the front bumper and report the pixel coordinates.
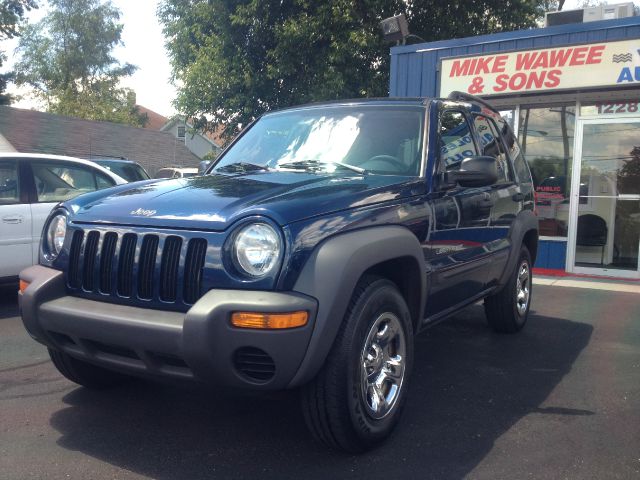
(199, 345)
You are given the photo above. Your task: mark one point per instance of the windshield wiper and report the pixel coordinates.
(241, 167)
(317, 163)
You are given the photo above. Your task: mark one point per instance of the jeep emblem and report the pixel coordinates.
(143, 212)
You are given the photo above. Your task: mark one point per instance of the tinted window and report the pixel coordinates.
(131, 172)
(491, 145)
(456, 142)
(60, 181)
(9, 187)
(165, 173)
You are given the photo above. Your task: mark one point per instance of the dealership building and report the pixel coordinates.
(572, 93)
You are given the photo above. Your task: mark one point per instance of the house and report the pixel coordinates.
(199, 143)
(38, 132)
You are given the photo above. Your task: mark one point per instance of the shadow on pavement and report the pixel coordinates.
(8, 300)
(469, 387)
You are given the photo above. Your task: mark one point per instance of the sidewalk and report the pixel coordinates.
(592, 283)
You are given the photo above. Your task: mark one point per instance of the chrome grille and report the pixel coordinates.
(139, 267)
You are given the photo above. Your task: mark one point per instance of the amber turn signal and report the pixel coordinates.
(23, 285)
(273, 321)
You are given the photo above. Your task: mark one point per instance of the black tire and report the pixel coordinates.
(84, 373)
(336, 407)
(505, 311)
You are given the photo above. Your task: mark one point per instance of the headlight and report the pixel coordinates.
(256, 249)
(56, 231)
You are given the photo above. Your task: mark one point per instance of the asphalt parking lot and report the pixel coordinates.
(559, 400)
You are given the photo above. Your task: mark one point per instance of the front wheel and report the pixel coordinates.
(357, 398)
(507, 311)
(83, 373)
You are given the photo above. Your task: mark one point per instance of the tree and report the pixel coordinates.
(12, 12)
(67, 60)
(233, 60)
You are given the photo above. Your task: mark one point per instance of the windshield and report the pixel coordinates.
(131, 172)
(384, 140)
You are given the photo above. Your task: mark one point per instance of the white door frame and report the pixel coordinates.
(574, 201)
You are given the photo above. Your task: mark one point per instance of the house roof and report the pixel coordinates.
(155, 120)
(38, 132)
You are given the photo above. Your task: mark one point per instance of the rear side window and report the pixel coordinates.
(491, 145)
(9, 185)
(60, 181)
(456, 142)
(519, 163)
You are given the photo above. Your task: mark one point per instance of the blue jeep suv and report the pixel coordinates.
(308, 256)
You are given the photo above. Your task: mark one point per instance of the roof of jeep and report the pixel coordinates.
(362, 101)
(401, 101)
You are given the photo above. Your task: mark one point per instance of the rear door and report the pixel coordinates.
(15, 220)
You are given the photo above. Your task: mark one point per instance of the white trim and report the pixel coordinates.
(574, 203)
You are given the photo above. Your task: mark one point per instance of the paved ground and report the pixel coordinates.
(560, 400)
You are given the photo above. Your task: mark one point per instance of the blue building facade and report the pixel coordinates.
(572, 94)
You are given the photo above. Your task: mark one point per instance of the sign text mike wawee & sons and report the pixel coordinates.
(579, 66)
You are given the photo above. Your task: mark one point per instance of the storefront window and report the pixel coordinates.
(546, 137)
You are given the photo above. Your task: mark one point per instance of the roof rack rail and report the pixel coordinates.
(457, 95)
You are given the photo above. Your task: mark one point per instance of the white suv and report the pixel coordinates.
(30, 186)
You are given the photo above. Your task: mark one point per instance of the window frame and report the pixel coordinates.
(502, 145)
(458, 109)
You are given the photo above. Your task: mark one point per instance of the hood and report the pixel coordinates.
(213, 202)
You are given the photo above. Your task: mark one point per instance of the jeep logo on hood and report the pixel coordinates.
(143, 212)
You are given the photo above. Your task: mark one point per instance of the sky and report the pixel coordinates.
(143, 46)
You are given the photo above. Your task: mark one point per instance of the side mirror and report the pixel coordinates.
(479, 171)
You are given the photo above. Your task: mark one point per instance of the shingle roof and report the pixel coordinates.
(37, 132)
(155, 120)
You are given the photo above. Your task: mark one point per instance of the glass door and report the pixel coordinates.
(604, 216)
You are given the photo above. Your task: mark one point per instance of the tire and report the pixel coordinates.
(507, 311)
(84, 373)
(339, 405)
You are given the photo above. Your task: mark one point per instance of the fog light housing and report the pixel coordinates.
(269, 321)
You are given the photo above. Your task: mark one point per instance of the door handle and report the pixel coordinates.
(12, 219)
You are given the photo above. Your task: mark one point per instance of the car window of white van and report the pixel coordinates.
(57, 182)
(9, 187)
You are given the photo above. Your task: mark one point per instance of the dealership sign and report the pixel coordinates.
(578, 66)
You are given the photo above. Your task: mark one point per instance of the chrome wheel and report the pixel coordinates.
(383, 362)
(523, 288)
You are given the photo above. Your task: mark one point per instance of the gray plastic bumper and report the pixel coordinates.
(199, 345)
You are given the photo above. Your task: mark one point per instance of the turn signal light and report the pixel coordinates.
(272, 321)
(23, 285)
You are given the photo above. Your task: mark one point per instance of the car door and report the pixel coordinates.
(455, 250)
(15, 220)
(53, 181)
(506, 194)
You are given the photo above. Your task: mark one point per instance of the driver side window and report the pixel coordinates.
(455, 141)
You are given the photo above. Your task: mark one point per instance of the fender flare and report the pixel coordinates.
(332, 272)
(525, 222)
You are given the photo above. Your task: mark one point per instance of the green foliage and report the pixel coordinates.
(12, 13)
(67, 60)
(235, 59)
